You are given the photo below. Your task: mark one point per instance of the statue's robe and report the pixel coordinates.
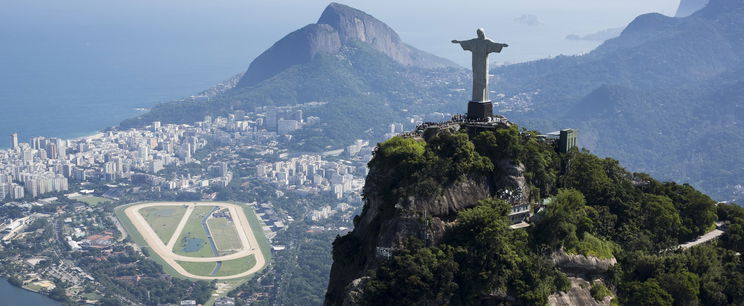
(480, 49)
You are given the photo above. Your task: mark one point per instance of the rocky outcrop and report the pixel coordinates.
(385, 225)
(583, 271)
(581, 263)
(339, 26)
(579, 295)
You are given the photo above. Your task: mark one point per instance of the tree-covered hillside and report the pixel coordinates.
(365, 91)
(595, 208)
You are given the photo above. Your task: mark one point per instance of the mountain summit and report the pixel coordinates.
(338, 26)
(352, 62)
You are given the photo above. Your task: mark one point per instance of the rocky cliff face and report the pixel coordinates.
(338, 26)
(579, 295)
(588, 266)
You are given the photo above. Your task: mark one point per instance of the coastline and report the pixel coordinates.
(23, 296)
(76, 137)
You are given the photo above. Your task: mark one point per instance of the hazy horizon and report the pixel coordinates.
(74, 67)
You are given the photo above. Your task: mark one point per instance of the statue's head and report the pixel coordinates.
(481, 33)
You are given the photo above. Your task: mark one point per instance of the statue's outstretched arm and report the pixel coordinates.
(455, 41)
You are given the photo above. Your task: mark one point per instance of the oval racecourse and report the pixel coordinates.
(199, 240)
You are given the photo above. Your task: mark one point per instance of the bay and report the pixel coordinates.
(14, 296)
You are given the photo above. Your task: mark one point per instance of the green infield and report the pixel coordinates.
(163, 220)
(198, 268)
(193, 240)
(235, 266)
(229, 267)
(224, 233)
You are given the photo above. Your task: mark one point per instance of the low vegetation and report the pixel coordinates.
(224, 233)
(599, 291)
(192, 231)
(163, 220)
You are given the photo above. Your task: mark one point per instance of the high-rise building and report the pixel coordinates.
(155, 166)
(567, 140)
(38, 143)
(144, 153)
(223, 169)
(17, 192)
(271, 119)
(14, 141)
(67, 170)
(61, 148)
(285, 126)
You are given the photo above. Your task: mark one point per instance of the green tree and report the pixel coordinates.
(484, 245)
(457, 154)
(542, 164)
(417, 276)
(684, 287)
(661, 219)
(499, 144)
(733, 238)
(564, 221)
(697, 211)
(648, 293)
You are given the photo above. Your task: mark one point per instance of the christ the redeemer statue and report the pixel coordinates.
(480, 47)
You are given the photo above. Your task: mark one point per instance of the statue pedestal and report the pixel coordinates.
(480, 110)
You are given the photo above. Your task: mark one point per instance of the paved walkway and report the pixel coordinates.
(714, 234)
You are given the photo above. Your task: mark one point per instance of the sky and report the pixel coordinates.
(71, 67)
(241, 29)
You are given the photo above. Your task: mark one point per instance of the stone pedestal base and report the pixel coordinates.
(480, 110)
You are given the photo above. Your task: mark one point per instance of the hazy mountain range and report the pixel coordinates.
(664, 97)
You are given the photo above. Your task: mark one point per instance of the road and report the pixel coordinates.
(119, 227)
(243, 227)
(714, 234)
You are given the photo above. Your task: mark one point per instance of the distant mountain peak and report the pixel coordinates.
(689, 7)
(338, 26)
(353, 24)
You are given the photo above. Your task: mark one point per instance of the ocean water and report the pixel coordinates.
(78, 89)
(70, 68)
(14, 296)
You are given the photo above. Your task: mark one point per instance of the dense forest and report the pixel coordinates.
(596, 208)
